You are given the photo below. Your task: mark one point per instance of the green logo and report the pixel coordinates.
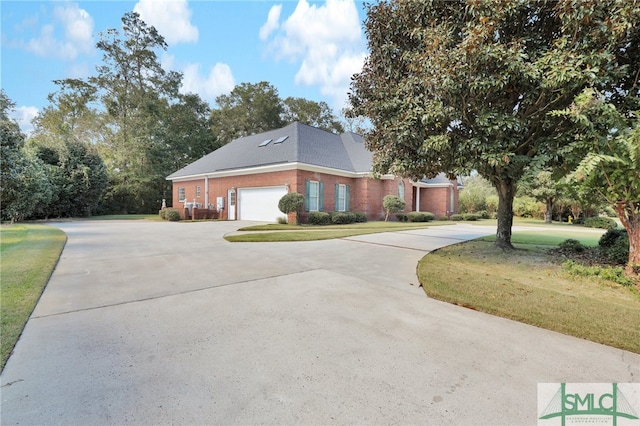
(589, 402)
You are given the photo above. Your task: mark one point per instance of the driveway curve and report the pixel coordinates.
(168, 323)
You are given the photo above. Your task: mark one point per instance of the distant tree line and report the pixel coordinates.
(105, 144)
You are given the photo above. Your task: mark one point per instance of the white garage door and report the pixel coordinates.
(260, 203)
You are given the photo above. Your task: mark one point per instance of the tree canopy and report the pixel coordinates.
(455, 86)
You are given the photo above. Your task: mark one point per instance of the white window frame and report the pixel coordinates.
(197, 191)
(181, 194)
(314, 196)
(401, 190)
(342, 198)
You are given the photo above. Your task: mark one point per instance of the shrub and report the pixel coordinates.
(457, 217)
(282, 220)
(609, 238)
(615, 274)
(528, 207)
(572, 245)
(420, 216)
(600, 222)
(443, 218)
(470, 217)
(291, 202)
(492, 204)
(172, 215)
(392, 204)
(162, 213)
(343, 218)
(402, 217)
(483, 214)
(319, 218)
(360, 217)
(614, 246)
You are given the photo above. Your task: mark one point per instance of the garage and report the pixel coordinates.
(260, 204)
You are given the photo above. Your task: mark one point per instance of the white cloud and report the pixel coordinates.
(172, 19)
(326, 40)
(273, 22)
(219, 81)
(23, 116)
(76, 37)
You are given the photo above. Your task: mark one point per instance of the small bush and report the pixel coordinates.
(572, 245)
(392, 204)
(402, 217)
(172, 215)
(615, 274)
(615, 250)
(319, 218)
(610, 237)
(420, 216)
(483, 214)
(162, 213)
(343, 218)
(456, 217)
(291, 202)
(470, 217)
(443, 218)
(282, 220)
(600, 222)
(360, 217)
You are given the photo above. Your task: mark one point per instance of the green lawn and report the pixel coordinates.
(28, 255)
(529, 285)
(279, 232)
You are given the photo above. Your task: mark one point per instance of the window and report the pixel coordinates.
(401, 190)
(232, 198)
(198, 191)
(342, 198)
(181, 196)
(314, 198)
(314, 195)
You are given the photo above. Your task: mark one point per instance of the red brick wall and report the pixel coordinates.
(366, 194)
(438, 200)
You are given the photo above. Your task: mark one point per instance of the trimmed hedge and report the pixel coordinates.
(343, 218)
(420, 216)
(402, 217)
(319, 218)
(171, 215)
(456, 217)
(360, 217)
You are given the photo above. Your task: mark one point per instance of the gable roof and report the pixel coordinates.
(295, 143)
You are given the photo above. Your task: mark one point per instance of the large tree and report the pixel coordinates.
(248, 109)
(454, 86)
(255, 108)
(135, 92)
(24, 184)
(610, 141)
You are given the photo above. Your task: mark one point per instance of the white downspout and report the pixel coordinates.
(206, 192)
(417, 198)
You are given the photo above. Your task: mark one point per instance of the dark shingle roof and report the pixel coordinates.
(304, 144)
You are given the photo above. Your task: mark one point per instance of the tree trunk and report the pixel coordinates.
(549, 212)
(631, 221)
(506, 193)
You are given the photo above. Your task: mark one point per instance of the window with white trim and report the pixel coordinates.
(401, 190)
(341, 198)
(314, 196)
(197, 191)
(181, 195)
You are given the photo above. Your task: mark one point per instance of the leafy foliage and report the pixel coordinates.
(392, 204)
(454, 86)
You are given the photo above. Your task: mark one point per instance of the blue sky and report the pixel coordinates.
(304, 48)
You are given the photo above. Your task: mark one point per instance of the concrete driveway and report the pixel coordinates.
(167, 323)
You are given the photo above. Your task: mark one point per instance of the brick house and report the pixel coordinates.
(246, 178)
